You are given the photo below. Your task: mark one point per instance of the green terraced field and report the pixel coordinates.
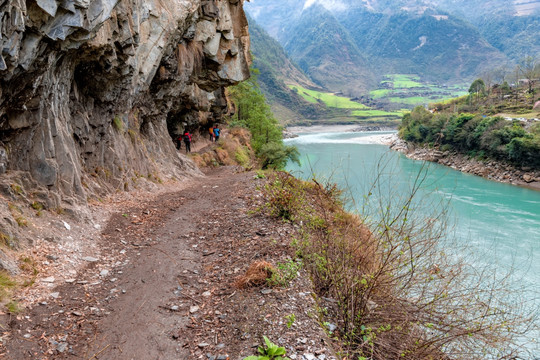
(328, 99)
(376, 113)
(410, 91)
(403, 81)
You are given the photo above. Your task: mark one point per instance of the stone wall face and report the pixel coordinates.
(92, 90)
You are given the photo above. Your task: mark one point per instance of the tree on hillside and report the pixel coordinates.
(477, 87)
(253, 113)
(529, 67)
(487, 77)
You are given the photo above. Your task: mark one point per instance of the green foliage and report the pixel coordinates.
(241, 156)
(6, 285)
(475, 135)
(285, 197)
(285, 273)
(254, 114)
(290, 320)
(17, 189)
(118, 123)
(270, 352)
(478, 86)
(13, 307)
(37, 206)
(275, 155)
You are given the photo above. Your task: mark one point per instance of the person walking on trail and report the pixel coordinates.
(179, 142)
(187, 141)
(216, 132)
(211, 131)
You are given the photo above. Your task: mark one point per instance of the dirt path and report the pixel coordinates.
(163, 287)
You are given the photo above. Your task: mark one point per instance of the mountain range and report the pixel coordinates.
(349, 45)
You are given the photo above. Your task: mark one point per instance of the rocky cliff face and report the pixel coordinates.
(92, 91)
(90, 86)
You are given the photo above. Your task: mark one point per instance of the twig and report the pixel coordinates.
(99, 352)
(144, 302)
(197, 301)
(167, 255)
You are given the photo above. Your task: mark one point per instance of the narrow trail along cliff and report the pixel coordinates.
(163, 286)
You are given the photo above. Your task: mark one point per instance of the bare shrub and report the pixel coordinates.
(394, 283)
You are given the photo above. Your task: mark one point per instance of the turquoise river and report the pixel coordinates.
(500, 222)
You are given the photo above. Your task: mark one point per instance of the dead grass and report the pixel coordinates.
(256, 275)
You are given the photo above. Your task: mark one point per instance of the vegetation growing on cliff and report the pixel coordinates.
(253, 113)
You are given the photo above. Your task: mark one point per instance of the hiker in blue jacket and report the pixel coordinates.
(216, 133)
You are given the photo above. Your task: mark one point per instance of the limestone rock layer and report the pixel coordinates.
(92, 91)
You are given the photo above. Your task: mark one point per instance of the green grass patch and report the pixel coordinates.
(404, 81)
(7, 284)
(329, 99)
(375, 113)
(379, 93)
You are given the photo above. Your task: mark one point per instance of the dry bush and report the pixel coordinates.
(243, 136)
(223, 157)
(256, 275)
(389, 283)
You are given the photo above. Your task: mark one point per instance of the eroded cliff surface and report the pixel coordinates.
(91, 91)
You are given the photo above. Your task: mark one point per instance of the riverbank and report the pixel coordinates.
(488, 168)
(293, 131)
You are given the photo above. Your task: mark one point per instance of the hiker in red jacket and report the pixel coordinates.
(187, 141)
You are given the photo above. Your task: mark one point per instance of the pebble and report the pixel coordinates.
(203, 345)
(90, 259)
(70, 281)
(331, 327)
(193, 309)
(174, 308)
(55, 295)
(49, 279)
(62, 347)
(104, 273)
(27, 336)
(66, 225)
(266, 291)
(308, 356)
(206, 293)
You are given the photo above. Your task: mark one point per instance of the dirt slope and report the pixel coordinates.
(163, 287)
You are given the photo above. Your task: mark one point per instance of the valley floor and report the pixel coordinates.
(163, 287)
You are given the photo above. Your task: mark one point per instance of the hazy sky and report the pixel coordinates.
(329, 4)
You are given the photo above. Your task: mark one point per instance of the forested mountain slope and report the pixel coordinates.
(276, 71)
(325, 50)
